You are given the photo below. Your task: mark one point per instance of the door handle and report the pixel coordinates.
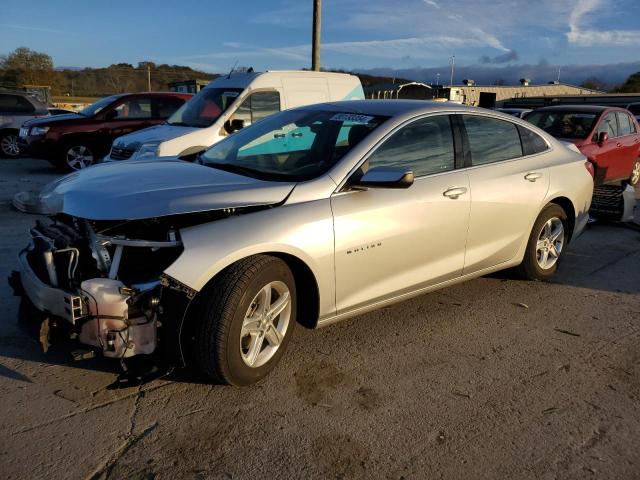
(618, 144)
(532, 176)
(454, 192)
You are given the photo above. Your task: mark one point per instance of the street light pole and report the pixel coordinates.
(453, 64)
(149, 77)
(315, 43)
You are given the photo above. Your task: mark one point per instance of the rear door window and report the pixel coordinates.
(16, 104)
(491, 140)
(624, 124)
(165, 106)
(424, 146)
(532, 143)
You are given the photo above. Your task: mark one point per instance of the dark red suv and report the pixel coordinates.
(75, 141)
(609, 137)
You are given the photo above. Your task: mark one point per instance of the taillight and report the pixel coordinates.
(589, 166)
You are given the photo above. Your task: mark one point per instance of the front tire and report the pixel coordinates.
(246, 321)
(546, 245)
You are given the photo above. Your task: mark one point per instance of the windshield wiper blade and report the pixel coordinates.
(179, 124)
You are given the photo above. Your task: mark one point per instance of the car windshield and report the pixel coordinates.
(98, 106)
(205, 108)
(294, 145)
(576, 125)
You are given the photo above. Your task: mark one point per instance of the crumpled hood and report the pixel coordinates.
(147, 189)
(158, 133)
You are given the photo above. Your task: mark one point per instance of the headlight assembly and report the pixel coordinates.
(38, 131)
(147, 150)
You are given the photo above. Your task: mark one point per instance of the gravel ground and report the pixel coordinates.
(494, 378)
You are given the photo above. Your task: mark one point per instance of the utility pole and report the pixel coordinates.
(453, 64)
(315, 42)
(149, 77)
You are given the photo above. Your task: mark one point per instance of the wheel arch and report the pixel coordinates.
(307, 287)
(85, 137)
(569, 208)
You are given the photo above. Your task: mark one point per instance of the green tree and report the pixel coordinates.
(632, 85)
(27, 67)
(594, 83)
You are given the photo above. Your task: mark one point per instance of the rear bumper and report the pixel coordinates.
(581, 223)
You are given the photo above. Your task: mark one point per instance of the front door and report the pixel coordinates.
(390, 242)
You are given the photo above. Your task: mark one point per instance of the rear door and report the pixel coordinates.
(389, 242)
(509, 180)
(608, 154)
(628, 140)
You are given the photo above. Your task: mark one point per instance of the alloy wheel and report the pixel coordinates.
(9, 145)
(550, 243)
(79, 157)
(265, 324)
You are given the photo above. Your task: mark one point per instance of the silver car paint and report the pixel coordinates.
(398, 247)
(156, 189)
(365, 248)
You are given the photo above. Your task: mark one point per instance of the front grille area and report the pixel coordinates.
(121, 153)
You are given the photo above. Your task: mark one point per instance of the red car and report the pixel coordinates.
(609, 137)
(79, 140)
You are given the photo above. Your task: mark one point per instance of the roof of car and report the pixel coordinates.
(577, 108)
(390, 107)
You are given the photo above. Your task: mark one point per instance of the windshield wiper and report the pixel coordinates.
(179, 124)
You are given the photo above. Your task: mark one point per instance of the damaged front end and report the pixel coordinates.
(105, 280)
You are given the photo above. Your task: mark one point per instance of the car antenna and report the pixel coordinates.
(232, 69)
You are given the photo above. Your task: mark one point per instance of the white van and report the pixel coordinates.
(230, 103)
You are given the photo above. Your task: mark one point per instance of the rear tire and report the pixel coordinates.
(634, 180)
(546, 245)
(243, 331)
(9, 145)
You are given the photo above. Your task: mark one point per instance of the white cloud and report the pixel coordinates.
(582, 37)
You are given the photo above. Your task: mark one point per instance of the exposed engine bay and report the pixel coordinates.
(103, 278)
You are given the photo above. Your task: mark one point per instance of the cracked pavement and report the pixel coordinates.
(494, 378)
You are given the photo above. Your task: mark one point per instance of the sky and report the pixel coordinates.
(378, 35)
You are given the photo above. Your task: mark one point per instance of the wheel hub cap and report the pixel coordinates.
(79, 157)
(550, 243)
(10, 145)
(265, 324)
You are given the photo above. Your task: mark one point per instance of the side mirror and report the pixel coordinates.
(111, 115)
(234, 125)
(602, 138)
(384, 177)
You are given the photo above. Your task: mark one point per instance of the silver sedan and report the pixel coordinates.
(310, 216)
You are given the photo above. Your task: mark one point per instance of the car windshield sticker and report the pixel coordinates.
(352, 117)
(230, 94)
(584, 115)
